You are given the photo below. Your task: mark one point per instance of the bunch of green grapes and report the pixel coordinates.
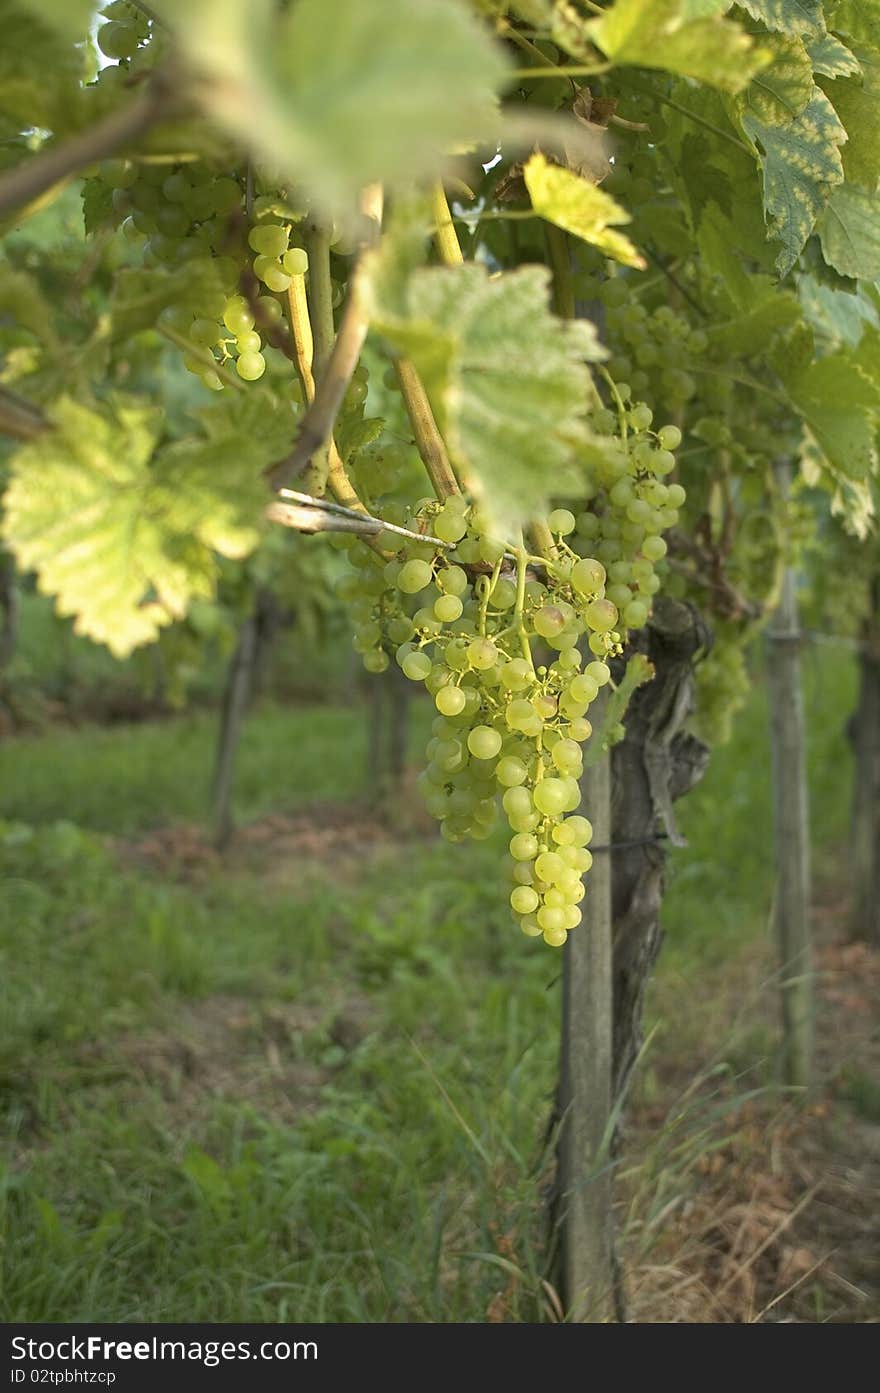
(496, 637)
(187, 214)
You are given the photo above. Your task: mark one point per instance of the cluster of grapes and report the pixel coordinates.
(494, 634)
(630, 505)
(184, 214)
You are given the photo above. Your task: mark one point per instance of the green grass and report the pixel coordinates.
(314, 1090)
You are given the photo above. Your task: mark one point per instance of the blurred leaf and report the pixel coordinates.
(575, 204)
(70, 19)
(399, 87)
(801, 161)
(849, 231)
(788, 16)
(859, 19)
(23, 301)
(688, 37)
(125, 538)
(857, 102)
(507, 379)
(139, 296)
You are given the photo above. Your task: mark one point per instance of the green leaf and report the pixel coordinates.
(70, 19)
(796, 17)
(40, 73)
(801, 162)
(849, 231)
(831, 58)
(859, 19)
(840, 406)
(507, 379)
(22, 301)
(837, 316)
(97, 201)
(336, 100)
(857, 102)
(749, 333)
(571, 202)
(123, 537)
(778, 93)
(139, 296)
(690, 39)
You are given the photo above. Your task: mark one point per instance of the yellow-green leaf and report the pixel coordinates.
(849, 231)
(680, 36)
(779, 92)
(571, 202)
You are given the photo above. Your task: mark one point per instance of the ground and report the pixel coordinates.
(307, 1080)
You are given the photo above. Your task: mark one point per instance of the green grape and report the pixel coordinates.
(449, 701)
(516, 675)
(641, 416)
(517, 802)
(549, 866)
(249, 342)
(117, 40)
(549, 621)
(581, 830)
(295, 261)
(580, 729)
(484, 742)
(550, 919)
(545, 705)
(482, 654)
(250, 366)
(416, 666)
(601, 615)
(523, 899)
(268, 240)
(206, 332)
(567, 756)
(414, 576)
(237, 316)
(588, 576)
(453, 580)
(653, 548)
(583, 688)
(448, 608)
(376, 660)
(521, 873)
(669, 437)
(524, 846)
(561, 521)
(675, 495)
(225, 195)
(449, 527)
(635, 616)
(550, 796)
(510, 772)
(531, 927)
(504, 594)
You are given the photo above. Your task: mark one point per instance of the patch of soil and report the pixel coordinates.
(270, 1054)
(776, 1216)
(326, 831)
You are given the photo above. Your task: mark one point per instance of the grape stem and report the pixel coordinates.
(445, 235)
(364, 521)
(334, 365)
(430, 443)
(618, 400)
(522, 562)
(28, 180)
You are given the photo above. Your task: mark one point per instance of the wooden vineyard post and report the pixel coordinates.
(791, 828)
(585, 1204)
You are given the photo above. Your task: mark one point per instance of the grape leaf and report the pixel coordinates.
(767, 310)
(836, 315)
(779, 92)
(139, 296)
(831, 58)
(399, 87)
(840, 406)
(795, 17)
(97, 203)
(679, 37)
(857, 102)
(801, 161)
(70, 19)
(123, 537)
(22, 301)
(859, 19)
(849, 231)
(571, 202)
(507, 379)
